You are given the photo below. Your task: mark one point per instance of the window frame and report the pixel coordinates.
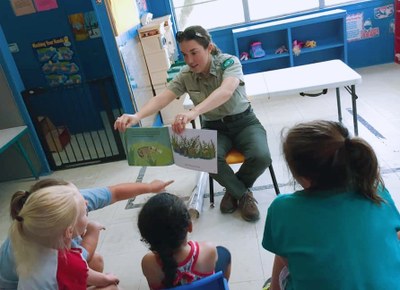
(248, 20)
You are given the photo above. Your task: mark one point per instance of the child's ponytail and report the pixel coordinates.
(364, 168)
(324, 153)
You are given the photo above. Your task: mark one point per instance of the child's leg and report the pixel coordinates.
(224, 261)
(96, 262)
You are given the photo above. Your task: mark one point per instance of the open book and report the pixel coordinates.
(194, 149)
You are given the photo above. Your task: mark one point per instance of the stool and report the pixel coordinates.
(234, 157)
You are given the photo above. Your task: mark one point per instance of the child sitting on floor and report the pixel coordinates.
(164, 223)
(41, 236)
(95, 198)
(340, 232)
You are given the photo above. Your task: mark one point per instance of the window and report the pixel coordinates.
(209, 14)
(261, 9)
(218, 13)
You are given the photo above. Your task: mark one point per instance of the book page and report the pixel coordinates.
(195, 149)
(148, 146)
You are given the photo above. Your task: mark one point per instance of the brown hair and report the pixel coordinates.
(19, 198)
(200, 35)
(324, 153)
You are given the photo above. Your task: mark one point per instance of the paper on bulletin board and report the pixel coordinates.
(22, 7)
(77, 22)
(92, 24)
(56, 57)
(43, 5)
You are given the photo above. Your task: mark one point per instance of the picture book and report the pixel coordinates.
(194, 149)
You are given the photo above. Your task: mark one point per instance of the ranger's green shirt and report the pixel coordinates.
(199, 87)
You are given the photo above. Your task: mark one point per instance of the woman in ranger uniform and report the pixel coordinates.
(215, 84)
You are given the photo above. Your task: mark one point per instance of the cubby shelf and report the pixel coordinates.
(327, 29)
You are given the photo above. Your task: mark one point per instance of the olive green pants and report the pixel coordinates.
(249, 137)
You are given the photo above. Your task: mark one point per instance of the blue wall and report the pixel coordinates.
(361, 53)
(27, 29)
(89, 55)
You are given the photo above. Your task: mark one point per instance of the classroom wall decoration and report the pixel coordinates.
(57, 59)
(92, 24)
(44, 5)
(22, 7)
(77, 22)
(84, 25)
(360, 28)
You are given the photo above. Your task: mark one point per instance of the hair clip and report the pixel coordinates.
(19, 218)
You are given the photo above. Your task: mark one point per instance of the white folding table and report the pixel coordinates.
(305, 78)
(11, 136)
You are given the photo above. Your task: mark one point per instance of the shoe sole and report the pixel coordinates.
(247, 219)
(228, 211)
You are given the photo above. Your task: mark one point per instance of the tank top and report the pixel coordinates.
(185, 272)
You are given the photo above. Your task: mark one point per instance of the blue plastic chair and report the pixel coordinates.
(213, 282)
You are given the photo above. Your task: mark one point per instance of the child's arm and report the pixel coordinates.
(91, 238)
(100, 279)
(124, 191)
(279, 263)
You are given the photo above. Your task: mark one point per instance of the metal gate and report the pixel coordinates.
(75, 122)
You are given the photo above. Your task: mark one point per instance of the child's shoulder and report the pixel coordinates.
(207, 257)
(287, 199)
(149, 258)
(151, 269)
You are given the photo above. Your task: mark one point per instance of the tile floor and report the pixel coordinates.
(378, 108)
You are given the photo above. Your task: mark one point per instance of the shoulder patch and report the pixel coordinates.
(227, 63)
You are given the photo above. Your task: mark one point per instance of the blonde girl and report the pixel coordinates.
(41, 235)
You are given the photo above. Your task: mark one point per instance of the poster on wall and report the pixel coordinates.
(359, 28)
(44, 5)
(92, 24)
(57, 61)
(84, 25)
(22, 7)
(354, 26)
(77, 22)
(383, 11)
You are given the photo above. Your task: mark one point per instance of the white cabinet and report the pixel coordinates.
(159, 50)
(155, 50)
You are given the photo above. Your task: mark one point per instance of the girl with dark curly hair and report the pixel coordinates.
(164, 223)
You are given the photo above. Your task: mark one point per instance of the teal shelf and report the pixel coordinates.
(327, 29)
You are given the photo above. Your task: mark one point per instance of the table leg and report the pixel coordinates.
(354, 100)
(27, 159)
(339, 106)
(352, 91)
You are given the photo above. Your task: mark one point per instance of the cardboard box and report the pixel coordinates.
(56, 137)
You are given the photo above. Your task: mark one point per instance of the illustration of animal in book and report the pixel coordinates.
(194, 149)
